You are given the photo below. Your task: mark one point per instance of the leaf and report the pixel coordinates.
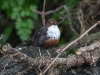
(13, 3)
(5, 4)
(31, 7)
(20, 32)
(22, 13)
(30, 24)
(34, 15)
(14, 15)
(24, 28)
(27, 13)
(24, 37)
(18, 23)
(20, 2)
(17, 9)
(28, 31)
(23, 24)
(15, 12)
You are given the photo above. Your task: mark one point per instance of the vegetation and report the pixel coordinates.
(18, 21)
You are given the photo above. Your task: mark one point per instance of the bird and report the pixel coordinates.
(47, 36)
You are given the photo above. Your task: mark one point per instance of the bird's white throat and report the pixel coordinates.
(53, 32)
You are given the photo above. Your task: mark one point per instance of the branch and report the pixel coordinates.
(82, 41)
(38, 12)
(53, 11)
(70, 61)
(43, 13)
(69, 20)
(91, 47)
(73, 42)
(50, 11)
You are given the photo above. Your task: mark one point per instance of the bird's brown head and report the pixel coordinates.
(51, 22)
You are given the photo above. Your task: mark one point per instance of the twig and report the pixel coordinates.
(49, 12)
(66, 16)
(53, 11)
(49, 54)
(36, 11)
(84, 40)
(80, 17)
(43, 13)
(70, 45)
(91, 47)
(62, 19)
(69, 20)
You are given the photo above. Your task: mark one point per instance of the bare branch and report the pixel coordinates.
(50, 11)
(80, 17)
(43, 13)
(70, 61)
(84, 40)
(69, 19)
(70, 45)
(62, 19)
(44, 5)
(89, 48)
(53, 11)
(38, 12)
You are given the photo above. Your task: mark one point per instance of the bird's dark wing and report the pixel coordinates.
(38, 36)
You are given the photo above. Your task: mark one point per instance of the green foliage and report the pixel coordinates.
(21, 12)
(70, 3)
(24, 30)
(7, 30)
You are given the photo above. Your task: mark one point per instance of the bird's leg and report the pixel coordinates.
(49, 54)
